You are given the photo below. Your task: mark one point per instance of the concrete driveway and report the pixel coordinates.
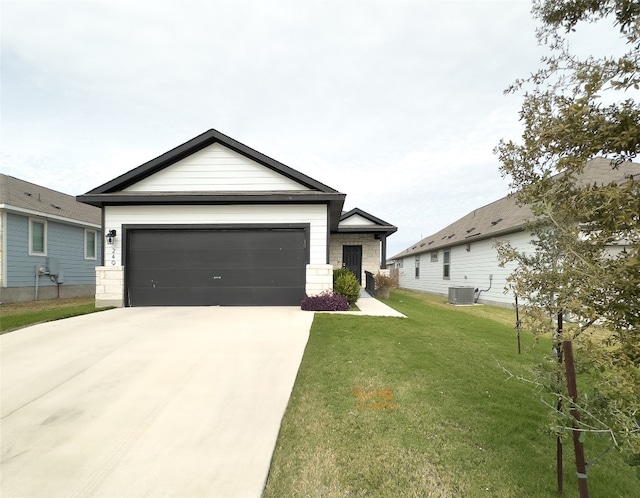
(181, 402)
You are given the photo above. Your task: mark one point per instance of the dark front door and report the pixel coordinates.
(352, 259)
(185, 267)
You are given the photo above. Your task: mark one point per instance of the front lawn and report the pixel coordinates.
(421, 406)
(17, 315)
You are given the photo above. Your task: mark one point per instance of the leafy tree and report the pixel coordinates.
(575, 109)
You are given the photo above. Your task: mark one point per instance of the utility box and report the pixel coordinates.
(461, 295)
(52, 266)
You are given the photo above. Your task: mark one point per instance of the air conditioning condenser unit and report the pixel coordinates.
(461, 295)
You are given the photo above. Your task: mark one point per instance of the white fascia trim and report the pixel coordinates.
(47, 216)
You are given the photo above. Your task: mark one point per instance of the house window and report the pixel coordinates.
(434, 257)
(37, 237)
(90, 238)
(400, 263)
(446, 266)
(417, 266)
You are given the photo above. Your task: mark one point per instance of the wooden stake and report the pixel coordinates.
(518, 323)
(581, 466)
(558, 349)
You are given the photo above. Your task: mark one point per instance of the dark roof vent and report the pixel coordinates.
(55, 207)
(452, 235)
(28, 194)
(497, 221)
(430, 242)
(471, 229)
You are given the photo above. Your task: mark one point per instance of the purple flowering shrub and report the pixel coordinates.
(327, 301)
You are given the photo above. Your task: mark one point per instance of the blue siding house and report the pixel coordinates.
(50, 244)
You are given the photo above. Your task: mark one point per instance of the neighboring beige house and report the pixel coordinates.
(214, 222)
(461, 262)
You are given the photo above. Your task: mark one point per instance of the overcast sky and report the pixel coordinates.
(398, 104)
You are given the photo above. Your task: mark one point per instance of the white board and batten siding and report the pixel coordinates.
(269, 214)
(216, 169)
(470, 268)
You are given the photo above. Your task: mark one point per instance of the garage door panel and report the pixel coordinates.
(204, 259)
(166, 239)
(218, 277)
(211, 267)
(230, 296)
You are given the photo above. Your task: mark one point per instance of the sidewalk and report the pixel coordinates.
(369, 306)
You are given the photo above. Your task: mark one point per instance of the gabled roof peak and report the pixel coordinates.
(192, 146)
(364, 222)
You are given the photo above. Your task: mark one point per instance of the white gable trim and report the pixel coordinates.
(357, 220)
(216, 168)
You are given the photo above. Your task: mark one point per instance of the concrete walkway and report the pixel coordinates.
(370, 306)
(133, 402)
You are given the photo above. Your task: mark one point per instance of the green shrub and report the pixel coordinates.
(341, 272)
(346, 284)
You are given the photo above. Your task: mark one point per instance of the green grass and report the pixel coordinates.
(18, 315)
(421, 406)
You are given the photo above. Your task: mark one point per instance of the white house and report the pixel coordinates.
(461, 262)
(214, 222)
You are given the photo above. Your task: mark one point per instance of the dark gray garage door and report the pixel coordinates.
(249, 267)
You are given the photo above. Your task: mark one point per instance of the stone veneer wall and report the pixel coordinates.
(109, 286)
(319, 279)
(370, 250)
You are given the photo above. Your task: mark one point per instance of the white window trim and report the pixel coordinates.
(44, 242)
(95, 244)
(446, 264)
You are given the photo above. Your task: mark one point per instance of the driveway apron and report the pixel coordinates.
(131, 402)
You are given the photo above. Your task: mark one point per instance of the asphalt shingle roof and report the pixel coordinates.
(505, 216)
(16, 193)
(499, 217)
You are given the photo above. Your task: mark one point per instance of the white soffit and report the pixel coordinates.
(357, 220)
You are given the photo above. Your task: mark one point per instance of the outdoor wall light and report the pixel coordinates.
(111, 236)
